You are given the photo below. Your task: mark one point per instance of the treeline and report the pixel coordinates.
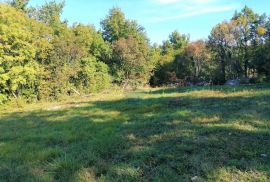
(42, 57)
(235, 49)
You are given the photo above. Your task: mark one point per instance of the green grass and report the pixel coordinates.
(213, 134)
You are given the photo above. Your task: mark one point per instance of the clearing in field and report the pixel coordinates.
(185, 134)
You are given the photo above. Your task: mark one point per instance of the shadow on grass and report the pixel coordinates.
(156, 139)
(226, 89)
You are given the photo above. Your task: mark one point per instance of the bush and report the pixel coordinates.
(260, 79)
(93, 75)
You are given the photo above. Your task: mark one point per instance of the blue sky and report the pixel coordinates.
(161, 17)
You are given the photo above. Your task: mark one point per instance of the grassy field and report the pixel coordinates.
(184, 134)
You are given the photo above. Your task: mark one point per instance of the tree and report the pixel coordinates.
(92, 42)
(19, 4)
(245, 21)
(41, 57)
(262, 63)
(50, 13)
(199, 55)
(221, 43)
(115, 26)
(171, 65)
(131, 62)
(18, 69)
(69, 46)
(178, 41)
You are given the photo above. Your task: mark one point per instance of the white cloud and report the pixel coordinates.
(177, 9)
(194, 12)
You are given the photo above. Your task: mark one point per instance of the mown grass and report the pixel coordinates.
(182, 134)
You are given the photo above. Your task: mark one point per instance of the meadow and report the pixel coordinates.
(168, 134)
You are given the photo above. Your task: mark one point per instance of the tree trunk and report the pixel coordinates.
(223, 70)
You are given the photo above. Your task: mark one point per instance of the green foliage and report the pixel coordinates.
(92, 42)
(117, 139)
(178, 41)
(235, 49)
(19, 4)
(115, 26)
(262, 61)
(18, 70)
(172, 65)
(221, 43)
(237, 45)
(93, 76)
(41, 57)
(50, 12)
(131, 62)
(3, 98)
